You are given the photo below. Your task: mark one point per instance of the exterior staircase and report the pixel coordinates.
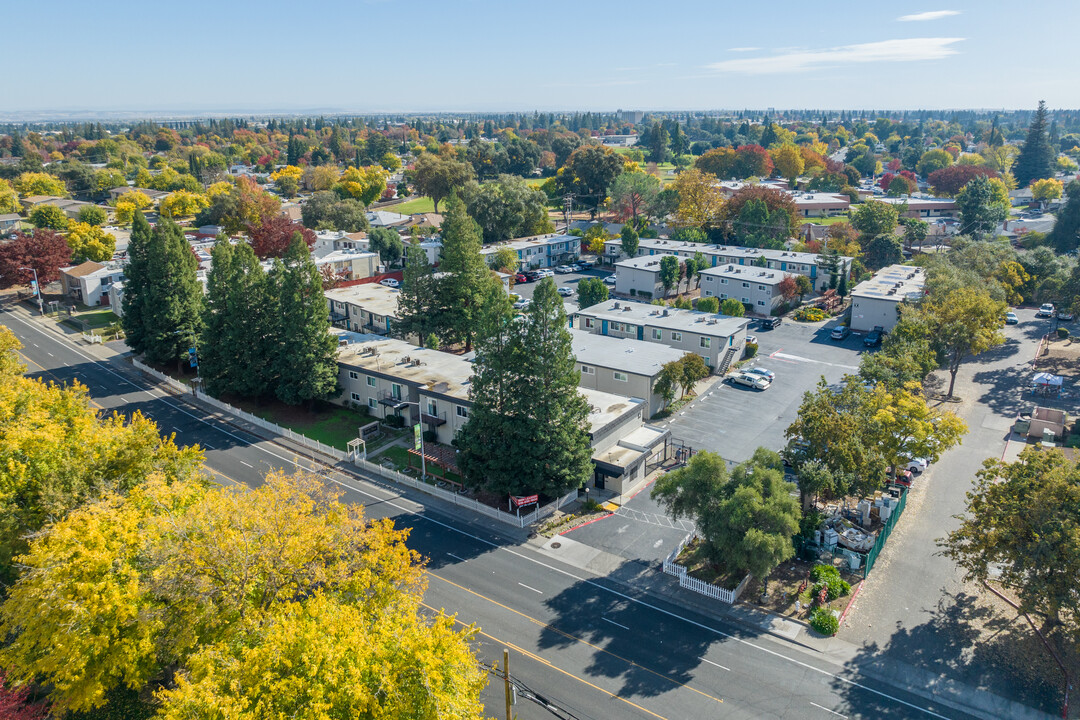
(725, 362)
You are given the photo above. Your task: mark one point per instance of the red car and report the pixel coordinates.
(521, 278)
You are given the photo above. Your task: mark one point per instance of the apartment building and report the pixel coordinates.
(876, 302)
(923, 207)
(623, 366)
(349, 264)
(541, 251)
(756, 288)
(369, 308)
(639, 276)
(718, 339)
(89, 282)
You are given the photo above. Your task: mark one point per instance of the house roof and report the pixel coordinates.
(624, 354)
(703, 323)
(748, 273)
(10, 216)
(87, 268)
(895, 283)
(372, 297)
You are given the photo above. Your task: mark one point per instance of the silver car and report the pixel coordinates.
(755, 382)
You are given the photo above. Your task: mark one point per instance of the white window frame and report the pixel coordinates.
(620, 376)
(587, 370)
(371, 381)
(353, 375)
(462, 412)
(371, 403)
(760, 302)
(676, 336)
(657, 334)
(705, 342)
(356, 397)
(745, 300)
(432, 408)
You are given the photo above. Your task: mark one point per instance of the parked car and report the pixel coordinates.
(763, 372)
(769, 323)
(840, 332)
(521, 278)
(873, 338)
(390, 283)
(1045, 310)
(584, 264)
(609, 280)
(522, 304)
(1011, 319)
(917, 465)
(564, 269)
(1064, 316)
(545, 273)
(749, 380)
(532, 275)
(751, 339)
(565, 291)
(577, 267)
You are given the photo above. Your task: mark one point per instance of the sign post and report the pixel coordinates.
(418, 443)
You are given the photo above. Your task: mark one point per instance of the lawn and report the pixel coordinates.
(826, 220)
(97, 317)
(402, 459)
(329, 424)
(411, 207)
(536, 181)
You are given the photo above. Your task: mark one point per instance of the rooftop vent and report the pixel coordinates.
(627, 309)
(617, 306)
(666, 313)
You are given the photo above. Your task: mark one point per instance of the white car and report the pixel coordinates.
(390, 283)
(917, 465)
(565, 291)
(564, 269)
(1045, 310)
(522, 304)
(545, 273)
(609, 280)
(749, 380)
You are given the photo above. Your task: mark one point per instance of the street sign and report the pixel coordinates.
(418, 437)
(523, 500)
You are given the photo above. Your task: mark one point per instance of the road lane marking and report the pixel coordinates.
(716, 664)
(568, 636)
(537, 658)
(208, 447)
(617, 625)
(177, 429)
(799, 358)
(49, 354)
(122, 399)
(457, 556)
(244, 463)
(828, 710)
(530, 588)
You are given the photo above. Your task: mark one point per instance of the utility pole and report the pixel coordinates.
(568, 205)
(506, 681)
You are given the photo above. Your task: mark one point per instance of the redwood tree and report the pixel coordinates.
(271, 238)
(43, 250)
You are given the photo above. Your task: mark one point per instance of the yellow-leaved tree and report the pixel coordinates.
(366, 184)
(38, 183)
(90, 242)
(182, 203)
(275, 602)
(9, 199)
(139, 199)
(700, 201)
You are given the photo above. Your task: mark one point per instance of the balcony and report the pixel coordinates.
(390, 400)
(435, 420)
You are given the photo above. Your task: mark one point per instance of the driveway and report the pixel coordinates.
(734, 421)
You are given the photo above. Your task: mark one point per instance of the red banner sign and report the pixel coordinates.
(524, 500)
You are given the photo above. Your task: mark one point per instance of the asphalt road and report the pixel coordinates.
(594, 648)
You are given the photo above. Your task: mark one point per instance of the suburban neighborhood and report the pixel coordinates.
(452, 413)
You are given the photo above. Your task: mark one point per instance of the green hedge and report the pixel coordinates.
(824, 621)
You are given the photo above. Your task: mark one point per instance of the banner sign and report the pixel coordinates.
(418, 437)
(524, 500)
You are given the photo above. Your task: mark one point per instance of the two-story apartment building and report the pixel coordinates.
(349, 264)
(369, 308)
(89, 282)
(717, 338)
(875, 302)
(755, 287)
(393, 377)
(623, 366)
(541, 251)
(789, 261)
(639, 276)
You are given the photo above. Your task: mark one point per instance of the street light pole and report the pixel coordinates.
(423, 460)
(37, 290)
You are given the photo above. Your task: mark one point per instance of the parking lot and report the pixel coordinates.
(735, 420)
(569, 280)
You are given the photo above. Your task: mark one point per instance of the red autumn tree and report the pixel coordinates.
(753, 161)
(15, 703)
(789, 288)
(43, 250)
(774, 200)
(885, 180)
(948, 182)
(271, 238)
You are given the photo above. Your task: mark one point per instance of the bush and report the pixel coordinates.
(394, 421)
(824, 572)
(576, 232)
(810, 314)
(430, 436)
(646, 295)
(827, 576)
(750, 350)
(633, 292)
(1063, 333)
(824, 621)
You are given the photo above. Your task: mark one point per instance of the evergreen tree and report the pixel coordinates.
(842, 283)
(239, 340)
(172, 301)
(1036, 158)
(417, 308)
(1066, 233)
(305, 360)
(18, 149)
(294, 151)
(136, 281)
(528, 431)
(464, 276)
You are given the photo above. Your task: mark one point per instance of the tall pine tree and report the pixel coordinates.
(464, 277)
(305, 361)
(239, 339)
(1036, 158)
(171, 307)
(528, 430)
(136, 282)
(417, 302)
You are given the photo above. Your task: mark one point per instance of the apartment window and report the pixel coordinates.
(587, 370)
(676, 336)
(745, 300)
(371, 382)
(760, 302)
(353, 375)
(657, 334)
(620, 376)
(705, 342)
(431, 409)
(588, 323)
(761, 288)
(746, 285)
(395, 391)
(462, 412)
(371, 403)
(723, 296)
(708, 278)
(356, 397)
(723, 281)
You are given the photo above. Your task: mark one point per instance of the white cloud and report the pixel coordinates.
(744, 49)
(901, 50)
(932, 15)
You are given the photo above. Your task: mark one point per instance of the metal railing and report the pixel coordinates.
(700, 586)
(386, 473)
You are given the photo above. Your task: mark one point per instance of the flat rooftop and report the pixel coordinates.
(896, 282)
(444, 373)
(528, 242)
(671, 318)
(606, 408)
(373, 297)
(625, 354)
(727, 251)
(644, 262)
(748, 273)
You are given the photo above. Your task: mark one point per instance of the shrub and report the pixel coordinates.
(646, 295)
(394, 421)
(827, 576)
(824, 621)
(823, 572)
(750, 350)
(810, 314)
(590, 506)
(633, 292)
(1063, 332)
(430, 436)
(576, 232)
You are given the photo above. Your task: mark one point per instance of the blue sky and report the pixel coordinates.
(482, 55)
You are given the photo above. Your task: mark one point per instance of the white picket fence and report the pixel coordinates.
(390, 474)
(700, 586)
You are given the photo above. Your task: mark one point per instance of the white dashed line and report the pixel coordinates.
(530, 588)
(614, 623)
(828, 710)
(720, 666)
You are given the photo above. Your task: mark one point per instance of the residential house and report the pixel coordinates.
(623, 366)
(541, 251)
(876, 302)
(393, 377)
(819, 204)
(758, 289)
(32, 201)
(89, 282)
(923, 207)
(9, 221)
(154, 195)
(368, 308)
(385, 218)
(717, 338)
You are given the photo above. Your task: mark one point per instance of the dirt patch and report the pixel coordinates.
(563, 522)
(789, 591)
(698, 566)
(1060, 357)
